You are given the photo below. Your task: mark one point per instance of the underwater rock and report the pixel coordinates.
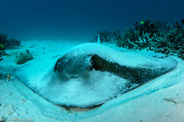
(23, 57)
(91, 74)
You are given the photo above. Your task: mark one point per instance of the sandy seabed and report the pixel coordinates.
(161, 100)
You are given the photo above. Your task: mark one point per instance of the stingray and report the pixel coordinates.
(91, 74)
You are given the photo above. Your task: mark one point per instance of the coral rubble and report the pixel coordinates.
(7, 43)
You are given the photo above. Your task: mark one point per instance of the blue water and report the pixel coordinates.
(79, 19)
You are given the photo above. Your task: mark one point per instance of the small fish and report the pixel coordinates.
(141, 22)
(2, 46)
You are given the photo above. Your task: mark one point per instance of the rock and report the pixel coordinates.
(23, 57)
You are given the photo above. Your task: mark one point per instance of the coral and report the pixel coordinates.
(182, 21)
(12, 43)
(106, 36)
(167, 38)
(3, 39)
(6, 43)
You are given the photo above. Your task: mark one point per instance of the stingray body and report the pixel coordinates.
(91, 74)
